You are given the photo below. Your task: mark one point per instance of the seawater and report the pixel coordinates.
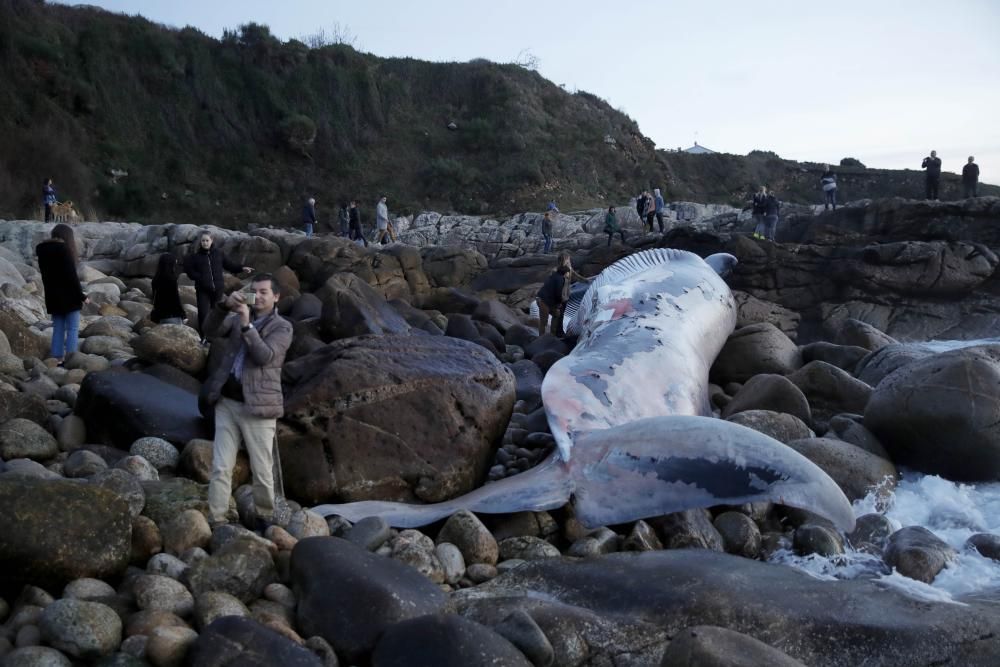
(952, 511)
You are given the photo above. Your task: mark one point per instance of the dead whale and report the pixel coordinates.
(629, 409)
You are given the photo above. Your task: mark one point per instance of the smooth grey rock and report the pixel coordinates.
(918, 553)
(81, 629)
(473, 539)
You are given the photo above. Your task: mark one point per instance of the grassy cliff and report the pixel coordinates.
(240, 130)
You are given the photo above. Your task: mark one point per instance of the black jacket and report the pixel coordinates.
(63, 293)
(970, 173)
(771, 205)
(758, 204)
(206, 270)
(933, 166)
(309, 214)
(552, 289)
(166, 300)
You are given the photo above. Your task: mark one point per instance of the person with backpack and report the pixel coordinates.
(167, 307)
(828, 181)
(611, 226)
(771, 208)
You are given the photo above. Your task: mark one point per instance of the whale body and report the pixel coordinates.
(629, 411)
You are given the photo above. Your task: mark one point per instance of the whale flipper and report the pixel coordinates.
(544, 487)
(669, 464)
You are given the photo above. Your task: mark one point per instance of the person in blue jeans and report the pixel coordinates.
(48, 199)
(658, 205)
(57, 259)
(547, 233)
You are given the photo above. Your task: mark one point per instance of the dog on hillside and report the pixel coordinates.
(64, 212)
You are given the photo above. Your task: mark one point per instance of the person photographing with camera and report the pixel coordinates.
(244, 389)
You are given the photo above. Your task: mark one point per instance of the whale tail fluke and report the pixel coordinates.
(675, 463)
(544, 487)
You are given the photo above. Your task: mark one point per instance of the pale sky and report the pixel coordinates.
(884, 81)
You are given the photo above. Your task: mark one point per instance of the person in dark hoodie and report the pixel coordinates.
(932, 177)
(57, 258)
(551, 299)
(309, 216)
(167, 307)
(354, 216)
(205, 267)
(828, 181)
(344, 220)
(970, 177)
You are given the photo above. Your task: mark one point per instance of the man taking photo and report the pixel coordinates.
(245, 390)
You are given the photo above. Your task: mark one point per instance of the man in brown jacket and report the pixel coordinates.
(245, 389)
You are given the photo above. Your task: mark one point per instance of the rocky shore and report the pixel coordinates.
(415, 375)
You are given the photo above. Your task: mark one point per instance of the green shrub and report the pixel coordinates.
(298, 132)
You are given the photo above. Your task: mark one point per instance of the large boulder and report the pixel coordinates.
(175, 344)
(23, 341)
(351, 307)
(451, 266)
(349, 596)
(878, 364)
(242, 567)
(661, 593)
(855, 470)
(14, 405)
(392, 417)
(918, 553)
(56, 531)
(120, 407)
(710, 646)
(830, 390)
(755, 349)
(941, 414)
(768, 391)
(232, 640)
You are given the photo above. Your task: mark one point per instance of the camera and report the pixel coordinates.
(250, 298)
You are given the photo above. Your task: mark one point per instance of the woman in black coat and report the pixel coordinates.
(63, 294)
(167, 307)
(205, 267)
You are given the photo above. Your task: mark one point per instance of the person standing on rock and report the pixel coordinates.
(828, 181)
(650, 208)
(932, 164)
(206, 268)
(382, 222)
(611, 226)
(57, 259)
(48, 199)
(771, 208)
(309, 216)
(658, 208)
(357, 232)
(640, 208)
(245, 390)
(551, 300)
(344, 220)
(758, 207)
(970, 177)
(547, 233)
(167, 307)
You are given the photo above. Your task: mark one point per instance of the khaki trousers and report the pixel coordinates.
(233, 424)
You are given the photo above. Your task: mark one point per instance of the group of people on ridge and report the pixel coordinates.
(349, 221)
(932, 176)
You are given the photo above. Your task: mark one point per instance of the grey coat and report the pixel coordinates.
(265, 355)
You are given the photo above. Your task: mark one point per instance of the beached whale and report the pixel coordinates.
(629, 411)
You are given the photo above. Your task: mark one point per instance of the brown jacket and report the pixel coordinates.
(262, 367)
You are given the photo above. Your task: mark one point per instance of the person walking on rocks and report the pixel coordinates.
(970, 177)
(354, 215)
(57, 260)
(758, 207)
(771, 208)
(245, 390)
(167, 307)
(547, 233)
(932, 164)
(309, 216)
(382, 224)
(650, 208)
(657, 209)
(205, 267)
(828, 181)
(640, 208)
(344, 220)
(611, 226)
(48, 199)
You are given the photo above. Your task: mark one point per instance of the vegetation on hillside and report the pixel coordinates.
(238, 131)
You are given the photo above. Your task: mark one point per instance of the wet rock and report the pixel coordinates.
(986, 544)
(850, 428)
(830, 390)
(232, 640)
(870, 534)
(769, 392)
(526, 548)
(348, 595)
(918, 553)
(755, 349)
(813, 538)
(642, 538)
(780, 426)
(740, 535)
(854, 470)
(688, 529)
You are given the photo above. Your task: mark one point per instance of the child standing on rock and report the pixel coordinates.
(57, 259)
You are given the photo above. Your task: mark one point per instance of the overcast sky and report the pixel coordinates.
(884, 81)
